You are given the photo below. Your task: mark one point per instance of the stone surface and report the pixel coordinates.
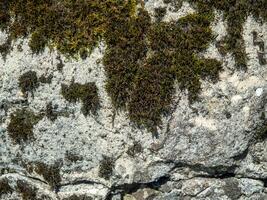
(207, 150)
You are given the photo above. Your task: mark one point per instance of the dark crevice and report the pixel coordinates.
(129, 188)
(218, 171)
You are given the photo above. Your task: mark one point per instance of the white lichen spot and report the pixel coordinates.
(207, 123)
(259, 92)
(236, 99)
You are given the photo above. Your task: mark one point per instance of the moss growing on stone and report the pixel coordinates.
(6, 47)
(147, 58)
(21, 124)
(50, 113)
(87, 93)
(106, 167)
(235, 13)
(51, 173)
(160, 12)
(143, 59)
(78, 197)
(5, 187)
(28, 82)
(70, 26)
(27, 192)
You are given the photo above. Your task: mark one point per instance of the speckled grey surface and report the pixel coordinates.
(206, 150)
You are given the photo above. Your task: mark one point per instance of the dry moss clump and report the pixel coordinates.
(20, 128)
(51, 173)
(28, 82)
(78, 197)
(87, 93)
(235, 13)
(146, 59)
(106, 167)
(143, 59)
(72, 27)
(5, 187)
(27, 192)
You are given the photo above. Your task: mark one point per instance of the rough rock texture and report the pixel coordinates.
(212, 149)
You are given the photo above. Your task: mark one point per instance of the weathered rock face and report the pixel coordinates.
(59, 148)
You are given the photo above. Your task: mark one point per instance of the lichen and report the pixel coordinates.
(21, 125)
(87, 93)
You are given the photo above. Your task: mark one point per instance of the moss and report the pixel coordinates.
(69, 26)
(51, 173)
(27, 191)
(106, 167)
(72, 157)
(6, 48)
(46, 79)
(28, 82)
(20, 128)
(143, 83)
(60, 64)
(78, 197)
(235, 13)
(136, 148)
(87, 93)
(5, 187)
(160, 12)
(50, 113)
(143, 59)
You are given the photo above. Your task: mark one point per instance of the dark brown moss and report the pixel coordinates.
(106, 167)
(141, 78)
(60, 64)
(6, 47)
(46, 79)
(235, 13)
(78, 197)
(50, 113)
(5, 187)
(87, 93)
(160, 12)
(69, 26)
(28, 82)
(135, 149)
(72, 157)
(20, 128)
(143, 59)
(27, 192)
(51, 173)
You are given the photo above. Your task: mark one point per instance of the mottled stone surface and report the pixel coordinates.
(207, 150)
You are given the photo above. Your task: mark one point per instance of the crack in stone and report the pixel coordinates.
(128, 188)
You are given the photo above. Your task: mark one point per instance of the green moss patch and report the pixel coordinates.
(144, 63)
(143, 59)
(235, 13)
(72, 27)
(87, 93)
(20, 128)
